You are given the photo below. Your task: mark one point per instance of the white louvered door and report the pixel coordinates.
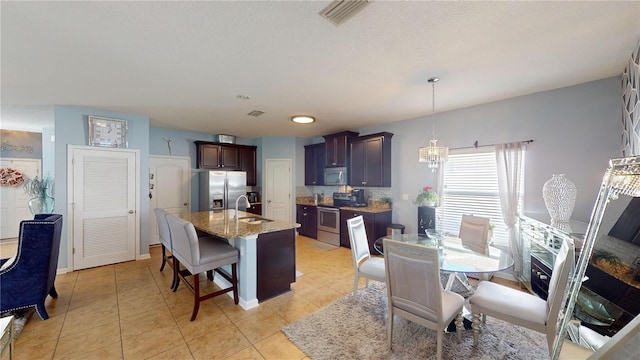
(104, 206)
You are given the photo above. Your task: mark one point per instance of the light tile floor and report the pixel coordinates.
(127, 311)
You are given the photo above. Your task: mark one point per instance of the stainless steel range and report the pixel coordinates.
(329, 225)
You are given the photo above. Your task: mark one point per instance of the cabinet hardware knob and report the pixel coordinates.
(131, 211)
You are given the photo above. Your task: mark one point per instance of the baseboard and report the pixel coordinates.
(144, 256)
(505, 276)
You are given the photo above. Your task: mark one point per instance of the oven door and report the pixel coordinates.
(329, 220)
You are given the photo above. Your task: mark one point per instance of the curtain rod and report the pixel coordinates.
(476, 145)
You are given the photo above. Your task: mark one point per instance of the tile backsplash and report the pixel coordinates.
(371, 193)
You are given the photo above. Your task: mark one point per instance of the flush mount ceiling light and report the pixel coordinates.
(303, 119)
(433, 154)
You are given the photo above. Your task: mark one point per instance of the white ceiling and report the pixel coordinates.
(182, 64)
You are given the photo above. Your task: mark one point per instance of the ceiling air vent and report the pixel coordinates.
(256, 113)
(340, 11)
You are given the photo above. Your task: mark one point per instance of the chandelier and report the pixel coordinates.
(433, 154)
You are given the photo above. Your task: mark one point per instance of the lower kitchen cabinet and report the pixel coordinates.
(375, 225)
(307, 217)
(276, 263)
(255, 209)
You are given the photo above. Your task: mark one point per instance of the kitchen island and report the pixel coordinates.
(266, 267)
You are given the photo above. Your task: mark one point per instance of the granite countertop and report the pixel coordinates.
(624, 273)
(374, 206)
(221, 223)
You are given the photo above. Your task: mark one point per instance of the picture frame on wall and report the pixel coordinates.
(108, 132)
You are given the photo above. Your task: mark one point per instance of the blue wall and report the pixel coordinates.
(576, 130)
(182, 144)
(71, 129)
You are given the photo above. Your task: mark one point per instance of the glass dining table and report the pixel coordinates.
(454, 256)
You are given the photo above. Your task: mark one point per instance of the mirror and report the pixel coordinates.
(606, 301)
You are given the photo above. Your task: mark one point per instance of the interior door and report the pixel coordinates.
(169, 188)
(14, 202)
(278, 189)
(104, 197)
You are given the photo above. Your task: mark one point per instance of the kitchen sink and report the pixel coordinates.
(254, 220)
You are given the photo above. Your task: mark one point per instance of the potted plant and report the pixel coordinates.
(386, 201)
(40, 192)
(427, 197)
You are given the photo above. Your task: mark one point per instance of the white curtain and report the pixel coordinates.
(509, 161)
(439, 180)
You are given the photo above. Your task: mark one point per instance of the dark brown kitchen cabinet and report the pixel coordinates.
(370, 163)
(337, 148)
(375, 225)
(307, 217)
(217, 156)
(275, 262)
(255, 209)
(314, 161)
(248, 163)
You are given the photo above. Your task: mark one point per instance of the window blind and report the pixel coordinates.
(471, 187)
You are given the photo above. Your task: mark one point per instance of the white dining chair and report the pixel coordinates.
(363, 263)
(414, 290)
(521, 308)
(474, 233)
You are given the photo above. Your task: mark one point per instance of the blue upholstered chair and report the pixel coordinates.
(27, 278)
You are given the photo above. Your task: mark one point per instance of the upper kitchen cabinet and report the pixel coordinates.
(248, 163)
(370, 163)
(314, 162)
(218, 156)
(337, 148)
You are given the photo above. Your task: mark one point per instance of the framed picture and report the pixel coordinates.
(107, 132)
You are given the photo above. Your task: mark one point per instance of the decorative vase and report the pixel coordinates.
(559, 195)
(428, 203)
(41, 205)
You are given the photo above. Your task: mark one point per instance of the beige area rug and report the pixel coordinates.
(20, 319)
(322, 246)
(349, 330)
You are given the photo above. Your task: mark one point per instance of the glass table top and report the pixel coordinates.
(456, 257)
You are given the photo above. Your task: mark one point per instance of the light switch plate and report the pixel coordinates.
(405, 196)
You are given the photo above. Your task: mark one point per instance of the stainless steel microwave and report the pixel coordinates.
(335, 176)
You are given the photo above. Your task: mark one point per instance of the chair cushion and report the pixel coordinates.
(494, 299)
(215, 253)
(373, 268)
(451, 305)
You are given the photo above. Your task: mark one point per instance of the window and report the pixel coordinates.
(471, 187)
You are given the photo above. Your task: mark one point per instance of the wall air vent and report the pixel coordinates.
(340, 11)
(256, 113)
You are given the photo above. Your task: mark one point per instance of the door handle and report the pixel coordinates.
(131, 211)
(185, 204)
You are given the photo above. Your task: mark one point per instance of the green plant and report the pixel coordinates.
(427, 194)
(39, 188)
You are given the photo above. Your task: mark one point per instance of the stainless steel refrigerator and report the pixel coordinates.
(219, 190)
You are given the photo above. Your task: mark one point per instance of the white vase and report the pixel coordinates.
(559, 195)
(428, 203)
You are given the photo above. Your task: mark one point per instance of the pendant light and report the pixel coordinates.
(433, 154)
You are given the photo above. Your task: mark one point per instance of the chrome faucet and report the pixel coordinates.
(238, 199)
